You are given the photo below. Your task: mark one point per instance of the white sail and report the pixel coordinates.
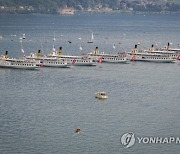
(22, 50)
(92, 37)
(54, 39)
(114, 46)
(53, 49)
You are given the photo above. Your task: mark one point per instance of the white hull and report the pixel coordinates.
(55, 65)
(101, 95)
(18, 65)
(109, 58)
(81, 62)
(51, 62)
(75, 60)
(150, 57)
(114, 60)
(157, 60)
(84, 64)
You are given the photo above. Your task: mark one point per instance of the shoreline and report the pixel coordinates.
(92, 12)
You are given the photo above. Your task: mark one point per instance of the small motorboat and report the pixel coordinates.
(101, 95)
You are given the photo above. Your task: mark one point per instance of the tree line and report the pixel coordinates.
(52, 6)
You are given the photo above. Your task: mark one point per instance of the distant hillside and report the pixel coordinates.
(54, 6)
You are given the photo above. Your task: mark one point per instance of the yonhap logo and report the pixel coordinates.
(128, 140)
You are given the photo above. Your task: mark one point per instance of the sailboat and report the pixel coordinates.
(92, 38)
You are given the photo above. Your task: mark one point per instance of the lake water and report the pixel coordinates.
(40, 110)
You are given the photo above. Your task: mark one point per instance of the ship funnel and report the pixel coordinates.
(96, 50)
(6, 55)
(168, 46)
(60, 51)
(152, 47)
(39, 54)
(135, 49)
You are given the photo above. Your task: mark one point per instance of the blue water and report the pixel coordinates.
(40, 110)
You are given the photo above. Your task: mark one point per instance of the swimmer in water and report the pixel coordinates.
(78, 130)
